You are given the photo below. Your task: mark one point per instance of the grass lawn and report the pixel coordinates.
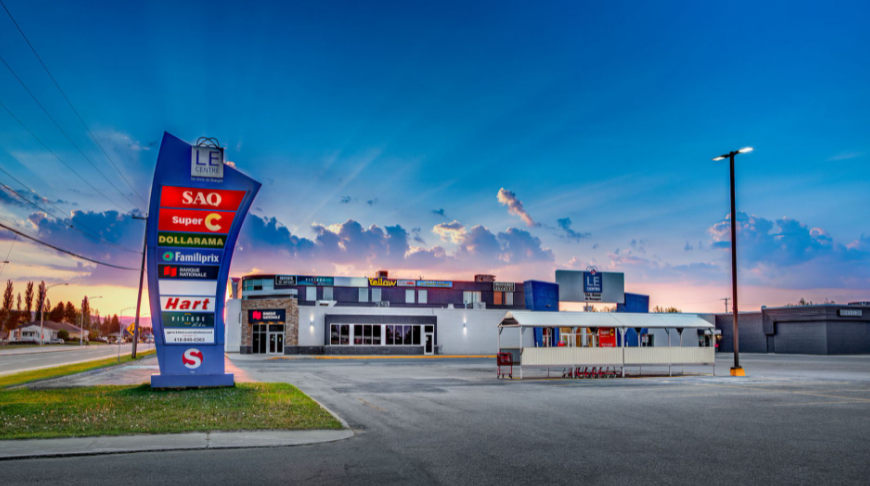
(58, 371)
(119, 410)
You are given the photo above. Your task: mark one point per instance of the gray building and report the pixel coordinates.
(811, 329)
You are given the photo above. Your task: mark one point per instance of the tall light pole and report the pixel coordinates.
(82, 321)
(42, 311)
(736, 370)
(141, 278)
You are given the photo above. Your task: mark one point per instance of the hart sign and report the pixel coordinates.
(194, 219)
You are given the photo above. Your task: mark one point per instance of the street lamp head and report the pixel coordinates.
(721, 157)
(745, 150)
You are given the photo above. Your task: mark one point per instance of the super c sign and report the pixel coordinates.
(195, 221)
(191, 198)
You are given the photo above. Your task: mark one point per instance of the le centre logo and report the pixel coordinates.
(207, 162)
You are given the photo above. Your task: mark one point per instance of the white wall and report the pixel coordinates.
(233, 325)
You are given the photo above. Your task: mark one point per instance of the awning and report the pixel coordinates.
(603, 319)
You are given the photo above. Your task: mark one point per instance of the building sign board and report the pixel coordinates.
(307, 280)
(406, 283)
(604, 286)
(435, 283)
(194, 218)
(606, 337)
(503, 286)
(285, 281)
(850, 312)
(267, 316)
(382, 282)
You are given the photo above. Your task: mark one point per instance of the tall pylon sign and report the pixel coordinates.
(198, 205)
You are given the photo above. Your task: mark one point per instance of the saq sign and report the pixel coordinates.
(193, 223)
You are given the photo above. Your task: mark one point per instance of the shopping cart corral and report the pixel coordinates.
(595, 345)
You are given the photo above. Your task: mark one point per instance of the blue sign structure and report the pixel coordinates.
(198, 205)
(592, 282)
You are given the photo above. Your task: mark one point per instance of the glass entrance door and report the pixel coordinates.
(429, 343)
(276, 339)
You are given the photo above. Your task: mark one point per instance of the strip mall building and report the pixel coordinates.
(298, 314)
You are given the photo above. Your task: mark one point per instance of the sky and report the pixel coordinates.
(444, 139)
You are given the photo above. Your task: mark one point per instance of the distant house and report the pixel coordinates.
(50, 329)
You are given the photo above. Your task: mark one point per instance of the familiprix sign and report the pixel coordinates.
(197, 207)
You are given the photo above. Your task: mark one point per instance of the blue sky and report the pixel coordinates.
(385, 113)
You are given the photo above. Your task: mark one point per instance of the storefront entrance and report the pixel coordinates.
(267, 339)
(429, 342)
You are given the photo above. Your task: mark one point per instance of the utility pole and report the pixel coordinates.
(726, 299)
(141, 277)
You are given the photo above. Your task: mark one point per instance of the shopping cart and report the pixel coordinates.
(505, 365)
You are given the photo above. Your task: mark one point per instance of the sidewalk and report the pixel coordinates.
(29, 448)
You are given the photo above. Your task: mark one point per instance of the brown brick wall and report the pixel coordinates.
(291, 327)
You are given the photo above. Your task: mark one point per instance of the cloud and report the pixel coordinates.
(845, 156)
(345, 200)
(515, 206)
(372, 202)
(688, 247)
(439, 212)
(349, 245)
(565, 224)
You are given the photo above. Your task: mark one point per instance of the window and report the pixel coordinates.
(416, 335)
(345, 334)
(376, 335)
(364, 294)
(470, 296)
(376, 295)
(311, 294)
(327, 293)
(391, 331)
(508, 298)
(409, 296)
(357, 334)
(422, 296)
(333, 334)
(497, 298)
(408, 335)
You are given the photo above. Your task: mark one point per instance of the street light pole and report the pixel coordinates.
(736, 370)
(141, 278)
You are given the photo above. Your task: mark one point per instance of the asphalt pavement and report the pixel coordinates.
(793, 420)
(32, 358)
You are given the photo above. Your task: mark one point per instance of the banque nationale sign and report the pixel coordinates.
(197, 208)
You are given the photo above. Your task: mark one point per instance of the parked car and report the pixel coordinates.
(56, 341)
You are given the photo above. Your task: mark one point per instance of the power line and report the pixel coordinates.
(58, 157)
(19, 233)
(70, 102)
(7, 254)
(94, 237)
(56, 124)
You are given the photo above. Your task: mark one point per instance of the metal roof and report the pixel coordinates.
(603, 319)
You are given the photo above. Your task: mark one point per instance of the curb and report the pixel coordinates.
(125, 444)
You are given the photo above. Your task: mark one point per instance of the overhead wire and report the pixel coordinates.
(6, 260)
(58, 157)
(96, 238)
(65, 97)
(56, 124)
(57, 248)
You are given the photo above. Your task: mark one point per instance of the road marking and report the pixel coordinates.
(372, 405)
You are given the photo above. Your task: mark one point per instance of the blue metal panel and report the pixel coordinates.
(541, 296)
(201, 363)
(636, 303)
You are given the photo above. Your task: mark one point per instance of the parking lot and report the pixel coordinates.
(793, 420)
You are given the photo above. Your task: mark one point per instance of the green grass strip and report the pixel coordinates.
(58, 371)
(119, 410)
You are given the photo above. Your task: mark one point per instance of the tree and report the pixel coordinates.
(63, 334)
(69, 313)
(96, 318)
(56, 314)
(28, 302)
(115, 326)
(41, 292)
(86, 313)
(18, 314)
(666, 310)
(6, 311)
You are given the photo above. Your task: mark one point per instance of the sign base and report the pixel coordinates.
(192, 381)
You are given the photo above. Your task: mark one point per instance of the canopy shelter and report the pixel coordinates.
(615, 353)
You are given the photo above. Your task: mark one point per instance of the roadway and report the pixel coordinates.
(793, 420)
(30, 358)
